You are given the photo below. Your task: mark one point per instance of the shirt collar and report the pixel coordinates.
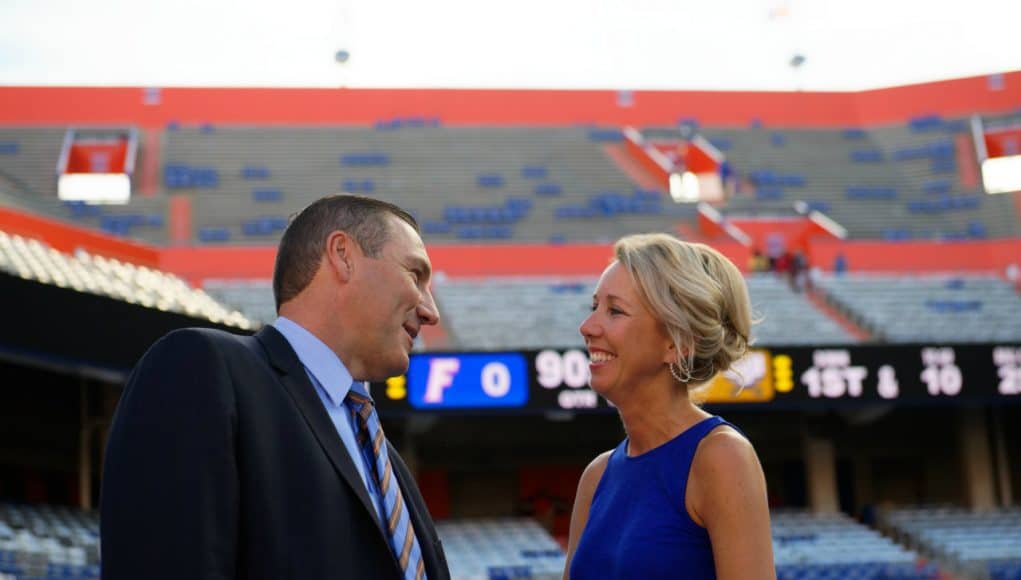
(320, 361)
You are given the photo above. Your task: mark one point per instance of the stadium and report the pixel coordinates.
(879, 232)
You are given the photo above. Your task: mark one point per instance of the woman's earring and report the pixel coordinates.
(676, 373)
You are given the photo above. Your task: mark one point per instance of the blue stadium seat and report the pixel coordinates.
(213, 234)
(485, 233)
(977, 230)
(768, 193)
(817, 205)
(179, 176)
(605, 135)
(367, 159)
(534, 171)
(722, 143)
(925, 123)
(866, 156)
(689, 122)
(936, 186)
(267, 195)
(80, 209)
(255, 172)
(858, 192)
(548, 189)
(778, 139)
(851, 134)
(358, 186)
(489, 180)
(792, 180)
(9, 147)
(432, 227)
(954, 305)
(263, 226)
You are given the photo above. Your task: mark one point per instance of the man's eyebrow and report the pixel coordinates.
(420, 265)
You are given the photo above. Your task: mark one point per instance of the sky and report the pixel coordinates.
(542, 44)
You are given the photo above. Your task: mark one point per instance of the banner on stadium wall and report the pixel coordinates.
(780, 377)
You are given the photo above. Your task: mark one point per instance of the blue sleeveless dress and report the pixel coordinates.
(638, 526)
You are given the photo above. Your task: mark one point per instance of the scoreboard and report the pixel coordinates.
(802, 377)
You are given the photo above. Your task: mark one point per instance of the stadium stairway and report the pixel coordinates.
(819, 300)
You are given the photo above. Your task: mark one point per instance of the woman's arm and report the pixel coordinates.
(727, 495)
(582, 501)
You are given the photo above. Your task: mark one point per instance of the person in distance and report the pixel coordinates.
(683, 495)
(263, 456)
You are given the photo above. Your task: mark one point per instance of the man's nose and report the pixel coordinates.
(428, 312)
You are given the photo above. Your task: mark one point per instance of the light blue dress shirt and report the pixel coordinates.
(332, 381)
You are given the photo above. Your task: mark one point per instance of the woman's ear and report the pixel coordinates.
(671, 350)
(670, 353)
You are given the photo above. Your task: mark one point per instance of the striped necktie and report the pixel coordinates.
(398, 525)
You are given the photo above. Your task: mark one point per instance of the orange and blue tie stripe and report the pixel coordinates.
(398, 523)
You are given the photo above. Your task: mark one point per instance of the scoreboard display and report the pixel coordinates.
(557, 380)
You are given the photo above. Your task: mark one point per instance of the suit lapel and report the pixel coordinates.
(300, 388)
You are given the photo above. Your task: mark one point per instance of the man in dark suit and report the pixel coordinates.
(262, 456)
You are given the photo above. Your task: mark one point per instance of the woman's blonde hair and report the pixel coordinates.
(698, 295)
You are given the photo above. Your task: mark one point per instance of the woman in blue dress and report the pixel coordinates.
(683, 496)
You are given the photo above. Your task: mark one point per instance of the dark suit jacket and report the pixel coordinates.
(223, 463)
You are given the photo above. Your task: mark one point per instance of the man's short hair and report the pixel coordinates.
(302, 246)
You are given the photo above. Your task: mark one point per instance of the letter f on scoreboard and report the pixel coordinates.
(441, 376)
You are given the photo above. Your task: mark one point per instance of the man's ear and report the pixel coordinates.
(342, 253)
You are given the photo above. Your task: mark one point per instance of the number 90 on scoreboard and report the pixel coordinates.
(462, 381)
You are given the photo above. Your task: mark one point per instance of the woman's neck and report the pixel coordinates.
(656, 414)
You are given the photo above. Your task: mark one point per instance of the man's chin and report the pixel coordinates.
(392, 368)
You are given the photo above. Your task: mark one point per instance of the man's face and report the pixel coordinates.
(391, 303)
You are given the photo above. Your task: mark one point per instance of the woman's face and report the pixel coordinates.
(627, 345)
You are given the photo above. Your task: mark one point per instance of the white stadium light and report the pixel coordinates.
(94, 187)
(684, 188)
(1002, 174)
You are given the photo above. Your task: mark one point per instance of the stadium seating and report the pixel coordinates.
(909, 193)
(252, 297)
(427, 170)
(32, 260)
(908, 188)
(809, 546)
(987, 544)
(543, 312)
(947, 308)
(787, 317)
(48, 543)
(500, 548)
(546, 312)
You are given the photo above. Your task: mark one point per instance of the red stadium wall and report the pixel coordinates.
(95, 105)
(197, 264)
(67, 238)
(97, 158)
(879, 256)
